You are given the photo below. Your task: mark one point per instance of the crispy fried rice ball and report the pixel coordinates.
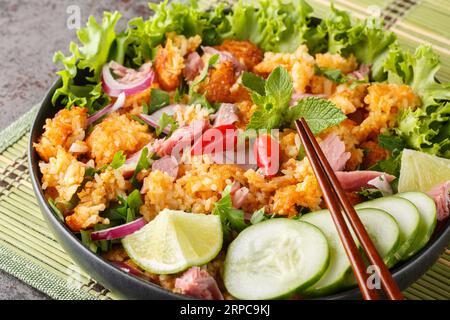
(169, 64)
(221, 85)
(64, 173)
(336, 61)
(95, 197)
(384, 102)
(299, 64)
(116, 133)
(169, 61)
(67, 127)
(246, 52)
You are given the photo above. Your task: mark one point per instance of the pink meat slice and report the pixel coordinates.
(166, 164)
(182, 137)
(334, 150)
(355, 180)
(227, 114)
(198, 283)
(238, 195)
(193, 65)
(440, 194)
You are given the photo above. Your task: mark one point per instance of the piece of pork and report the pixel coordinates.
(227, 114)
(440, 194)
(198, 283)
(167, 164)
(355, 180)
(334, 150)
(193, 65)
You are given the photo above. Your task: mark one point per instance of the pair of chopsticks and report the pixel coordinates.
(336, 199)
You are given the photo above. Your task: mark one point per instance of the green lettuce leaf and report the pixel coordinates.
(425, 129)
(96, 41)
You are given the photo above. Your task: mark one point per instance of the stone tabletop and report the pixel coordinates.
(30, 32)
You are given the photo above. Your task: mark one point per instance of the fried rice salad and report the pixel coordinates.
(174, 153)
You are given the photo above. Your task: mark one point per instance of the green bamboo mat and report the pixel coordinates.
(29, 251)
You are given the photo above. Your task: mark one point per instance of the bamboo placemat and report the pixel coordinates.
(29, 251)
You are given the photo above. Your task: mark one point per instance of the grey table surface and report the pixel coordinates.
(30, 32)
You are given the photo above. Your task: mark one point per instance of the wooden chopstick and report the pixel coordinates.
(335, 198)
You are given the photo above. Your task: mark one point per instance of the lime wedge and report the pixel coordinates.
(175, 241)
(421, 171)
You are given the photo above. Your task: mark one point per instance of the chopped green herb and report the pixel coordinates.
(143, 163)
(136, 118)
(164, 122)
(55, 209)
(331, 74)
(258, 216)
(87, 241)
(370, 193)
(202, 76)
(158, 99)
(118, 160)
(232, 219)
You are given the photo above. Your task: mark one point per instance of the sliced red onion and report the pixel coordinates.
(361, 73)
(239, 196)
(119, 231)
(78, 147)
(153, 119)
(113, 87)
(130, 270)
(382, 184)
(108, 109)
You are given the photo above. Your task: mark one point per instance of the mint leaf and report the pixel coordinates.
(320, 114)
(279, 87)
(254, 83)
(158, 99)
(273, 104)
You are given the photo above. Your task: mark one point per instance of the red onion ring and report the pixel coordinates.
(108, 109)
(119, 231)
(153, 119)
(113, 88)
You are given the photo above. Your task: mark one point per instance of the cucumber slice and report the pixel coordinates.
(339, 267)
(427, 211)
(274, 259)
(383, 229)
(407, 217)
(380, 226)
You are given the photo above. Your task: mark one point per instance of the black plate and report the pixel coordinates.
(130, 287)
